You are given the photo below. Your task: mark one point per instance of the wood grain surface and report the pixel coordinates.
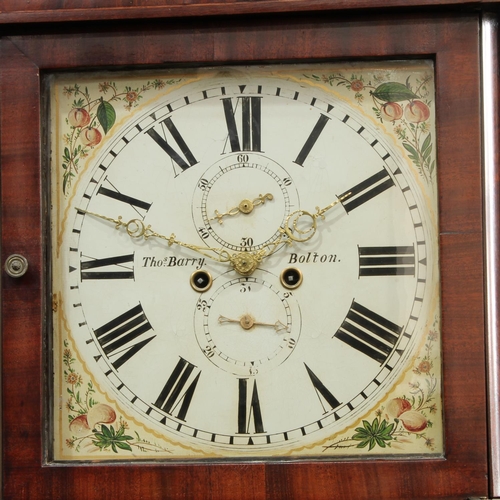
(451, 39)
(59, 11)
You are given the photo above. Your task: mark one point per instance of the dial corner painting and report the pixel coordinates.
(245, 263)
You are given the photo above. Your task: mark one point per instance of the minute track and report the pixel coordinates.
(182, 376)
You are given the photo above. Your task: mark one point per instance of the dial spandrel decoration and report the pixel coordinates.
(245, 263)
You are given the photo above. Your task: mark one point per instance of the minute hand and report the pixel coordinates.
(244, 263)
(307, 221)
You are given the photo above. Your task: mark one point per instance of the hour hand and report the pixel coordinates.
(136, 229)
(243, 263)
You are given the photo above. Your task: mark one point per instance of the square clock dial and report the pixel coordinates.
(245, 263)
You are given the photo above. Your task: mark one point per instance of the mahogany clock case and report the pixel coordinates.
(452, 41)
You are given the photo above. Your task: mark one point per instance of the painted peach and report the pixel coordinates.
(397, 406)
(79, 117)
(100, 414)
(91, 137)
(391, 111)
(417, 111)
(413, 421)
(79, 426)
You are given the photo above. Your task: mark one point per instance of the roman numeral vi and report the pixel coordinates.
(249, 410)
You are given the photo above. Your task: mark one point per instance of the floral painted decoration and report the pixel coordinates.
(89, 118)
(94, 425)
(406, 106)
(405, 418)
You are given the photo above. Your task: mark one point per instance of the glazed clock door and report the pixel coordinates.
(255, 266)
(245, 263)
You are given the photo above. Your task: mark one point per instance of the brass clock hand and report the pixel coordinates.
(136, 229)
(243, 263)
(245, 207)
(247, 322)
(292, 232)
(302, 234)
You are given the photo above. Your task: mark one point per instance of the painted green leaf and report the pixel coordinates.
(123, 446)
(360, 436)
(363, 444)
(427, 154)
(367, 426)
(410, 149)
(393, 92)
(427, 142)
(106, 115)
(387, 430)
(107, 432)
(427, 147)
(378, 433)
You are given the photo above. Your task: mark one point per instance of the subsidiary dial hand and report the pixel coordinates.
(247, 322)
(245, 207)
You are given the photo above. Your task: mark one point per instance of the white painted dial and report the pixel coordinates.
(248, 367)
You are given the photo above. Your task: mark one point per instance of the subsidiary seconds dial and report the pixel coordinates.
(242, 201)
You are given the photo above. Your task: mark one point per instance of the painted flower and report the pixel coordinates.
(159, 84)
(73, 378)
(400, 132)
(131, 96)
(357, 85)
(424, 366)
(104, 87)
(433, 335)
